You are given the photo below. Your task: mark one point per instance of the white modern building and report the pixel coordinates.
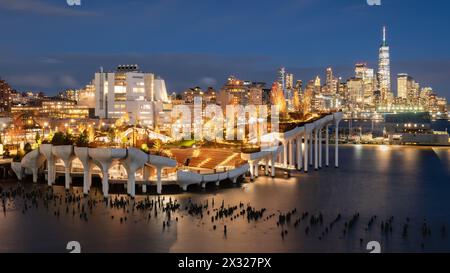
(127, 91)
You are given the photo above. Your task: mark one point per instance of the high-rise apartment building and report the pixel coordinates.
(234, 92)
(190, 94)
(238, 92)
(5, 96)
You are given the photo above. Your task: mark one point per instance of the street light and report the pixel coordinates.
(43, 129)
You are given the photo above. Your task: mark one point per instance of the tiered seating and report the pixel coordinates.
(181, 155)
(206, 158)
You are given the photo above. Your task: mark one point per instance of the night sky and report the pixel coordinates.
(47, 45)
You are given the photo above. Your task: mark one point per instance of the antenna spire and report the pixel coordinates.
(384, 35)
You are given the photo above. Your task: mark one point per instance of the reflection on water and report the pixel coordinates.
(403, 182)
(377, 127)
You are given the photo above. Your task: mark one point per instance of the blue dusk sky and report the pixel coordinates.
(47, 45)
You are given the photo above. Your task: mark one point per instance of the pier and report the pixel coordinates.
(296, 149)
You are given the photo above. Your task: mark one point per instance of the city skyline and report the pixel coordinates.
(175, 126)
(196, 65)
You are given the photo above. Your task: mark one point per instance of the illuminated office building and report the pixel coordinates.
(355, 87)
(282, 79)
(63, 109)
(86, 96)
(234, 92)
(289, 81)
(367, 76)
(238, 92)
(331, 82)
(210, 96)
(52, 108)
(5, 96)
(255, 93)
(384, 71)
(408, 89)
(191, 93)
(404, 84)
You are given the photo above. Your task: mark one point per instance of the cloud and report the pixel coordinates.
(42, 81)
(31, 81)
(50, 61)
(180, 70)
(185, 70)
(208, 81)
(434, 73)
(68, 81)
(43, 8)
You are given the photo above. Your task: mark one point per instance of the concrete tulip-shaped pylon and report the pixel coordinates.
(65, 153)
(83, 154)
(103, 158)
(134, 161)
(46, 150)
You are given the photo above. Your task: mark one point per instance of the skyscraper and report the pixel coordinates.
(332, 82)
(317, 84)
(289, 81)
(384, 71)
(355, 90)
(286, 81)
(5, 96)
(317, 98)
(282, 79)
(239, 92)
(367, 75)
(407, 87)
(404, 84)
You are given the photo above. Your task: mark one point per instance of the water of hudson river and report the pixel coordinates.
(385, 181)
